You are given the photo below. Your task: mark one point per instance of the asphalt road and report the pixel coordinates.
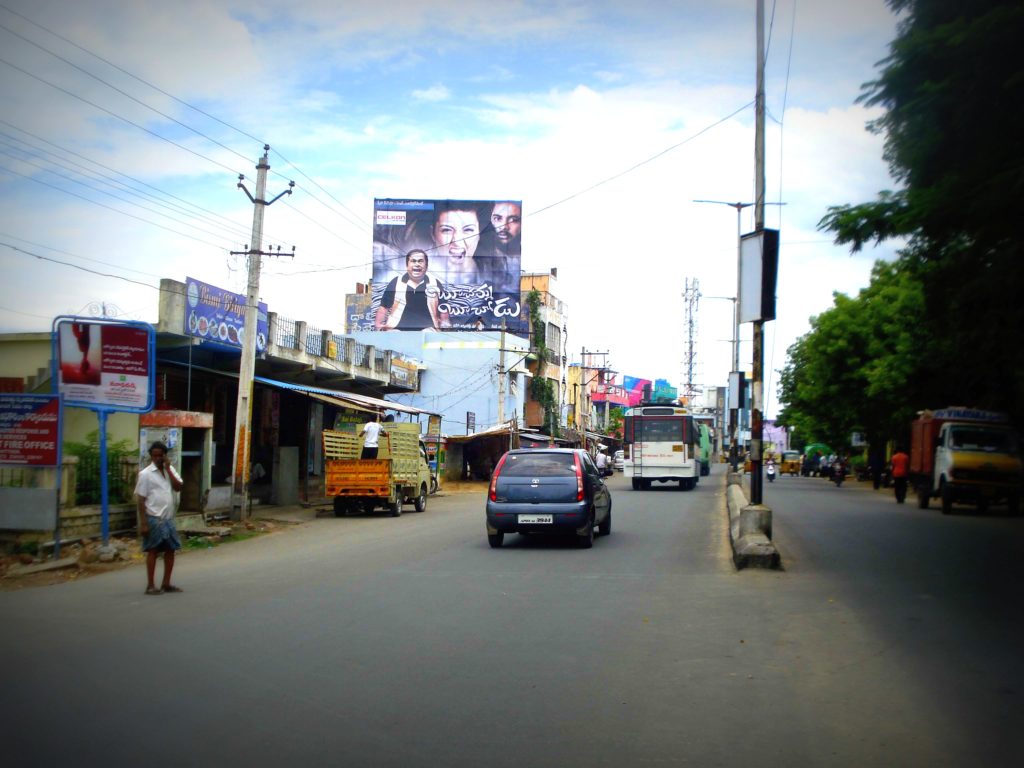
(892, 638)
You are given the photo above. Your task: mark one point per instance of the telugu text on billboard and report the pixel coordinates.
(104, 364)
(29, 430)
(445, 265)
(218, 315)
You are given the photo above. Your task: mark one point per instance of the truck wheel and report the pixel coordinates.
(340, 507)
(420, 503)
(946, 494)
(395, 506)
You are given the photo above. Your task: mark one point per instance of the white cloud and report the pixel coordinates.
(434, 93)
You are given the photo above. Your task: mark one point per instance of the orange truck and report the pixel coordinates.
(399, 475)
(965, 455)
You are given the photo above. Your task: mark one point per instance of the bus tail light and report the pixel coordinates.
(493, 492)
(579, 478)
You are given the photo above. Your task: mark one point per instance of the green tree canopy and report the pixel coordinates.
(952, 89)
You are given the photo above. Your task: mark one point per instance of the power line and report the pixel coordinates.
(99, 79)
(110, 207)
(114, 114)
(644, 162)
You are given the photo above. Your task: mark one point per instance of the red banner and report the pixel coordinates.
(29, 429)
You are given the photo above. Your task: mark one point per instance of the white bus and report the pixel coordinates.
(662, 445)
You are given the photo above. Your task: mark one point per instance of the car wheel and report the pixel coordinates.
(395, 507)
(636, 484)
(946, 494)
(605, 528)
(495, 539)
(585, 540)
(420, 504)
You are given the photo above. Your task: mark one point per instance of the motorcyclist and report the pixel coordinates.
(770, 469)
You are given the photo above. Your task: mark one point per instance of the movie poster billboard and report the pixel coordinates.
(446, 265)
(105, 364)
(218, 315)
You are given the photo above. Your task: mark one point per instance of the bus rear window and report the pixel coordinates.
(658, 430)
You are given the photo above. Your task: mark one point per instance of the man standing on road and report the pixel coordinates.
(155, 493)
(602, 463)
(371, 436)
(900, 466)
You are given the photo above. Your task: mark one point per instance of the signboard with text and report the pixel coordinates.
(105, 364)
(30, 430)
(218, 315)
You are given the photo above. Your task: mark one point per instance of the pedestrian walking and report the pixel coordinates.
(900, 468)
(154, 492)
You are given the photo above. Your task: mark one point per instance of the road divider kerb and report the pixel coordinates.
(750, 528)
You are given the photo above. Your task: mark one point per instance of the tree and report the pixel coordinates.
(857, 369)
(953, 92)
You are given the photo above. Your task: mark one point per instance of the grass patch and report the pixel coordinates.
(209, 542)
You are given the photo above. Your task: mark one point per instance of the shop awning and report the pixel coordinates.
(347, 399)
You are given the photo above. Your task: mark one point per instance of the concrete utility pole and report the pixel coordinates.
(757, 406)
(501, 375)
(247, 366)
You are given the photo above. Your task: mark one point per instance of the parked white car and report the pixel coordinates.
(618, 460)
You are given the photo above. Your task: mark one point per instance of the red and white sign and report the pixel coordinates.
(29, 430)
(103, 364)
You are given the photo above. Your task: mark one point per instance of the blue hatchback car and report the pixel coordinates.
(548, 490)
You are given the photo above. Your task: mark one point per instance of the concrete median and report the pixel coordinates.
(750, 528)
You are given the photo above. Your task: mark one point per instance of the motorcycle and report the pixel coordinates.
(838, 474)
(771, 473)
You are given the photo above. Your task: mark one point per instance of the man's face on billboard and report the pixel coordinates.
(416, 265)
(456, 235)
(506, 218)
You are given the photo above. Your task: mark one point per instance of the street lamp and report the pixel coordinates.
(733, 412)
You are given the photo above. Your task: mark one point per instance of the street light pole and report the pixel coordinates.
(733, 412)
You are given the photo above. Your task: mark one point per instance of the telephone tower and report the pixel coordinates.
(691, 297)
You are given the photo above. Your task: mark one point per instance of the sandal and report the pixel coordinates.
(154, 591)
(172, 588)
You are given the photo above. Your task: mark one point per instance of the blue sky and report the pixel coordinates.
(523, 100)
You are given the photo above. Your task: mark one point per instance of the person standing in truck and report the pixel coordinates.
(371, 436)
(900, 466)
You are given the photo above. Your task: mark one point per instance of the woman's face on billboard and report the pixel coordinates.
(457, 235)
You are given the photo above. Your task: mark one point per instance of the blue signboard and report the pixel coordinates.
(218, 315)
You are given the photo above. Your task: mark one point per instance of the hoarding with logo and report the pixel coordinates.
(105, 364)
(218, 315)
(446, 265)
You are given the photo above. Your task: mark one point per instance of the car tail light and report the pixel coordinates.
(493, 493)
(579, 478)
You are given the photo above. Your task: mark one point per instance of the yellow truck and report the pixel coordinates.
(400, 473)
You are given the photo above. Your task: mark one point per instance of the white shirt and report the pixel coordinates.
(372, 430)
(602, 461)
(157, 492)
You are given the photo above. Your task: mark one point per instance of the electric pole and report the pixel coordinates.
(501, 375)
(247, 366)
(757, 406)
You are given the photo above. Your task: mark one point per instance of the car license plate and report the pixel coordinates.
(536, 519)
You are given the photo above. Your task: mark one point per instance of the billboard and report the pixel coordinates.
(638, 390)
(447, 265)
(105, 364)
(218, 315)
(30, 430)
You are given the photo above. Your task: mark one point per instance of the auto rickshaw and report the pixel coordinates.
(790, 464)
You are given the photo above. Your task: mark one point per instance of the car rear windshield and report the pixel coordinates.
(539, 464)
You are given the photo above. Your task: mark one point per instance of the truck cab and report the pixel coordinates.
(969, 456)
